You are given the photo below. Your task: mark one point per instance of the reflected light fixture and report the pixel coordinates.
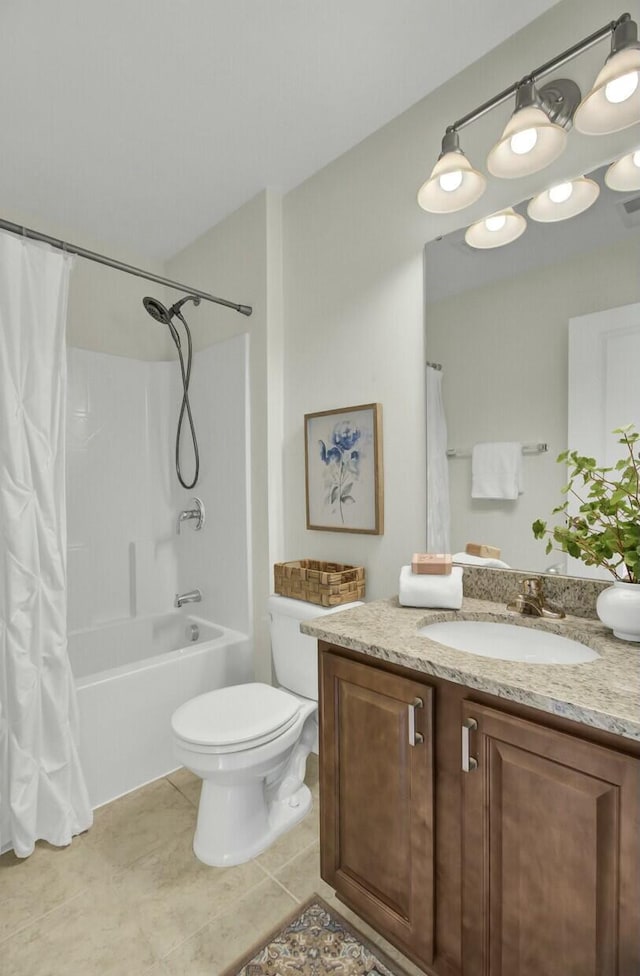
(536, 133)
(564, 200)
(454, 183)
(624, 174)
(496, 230)
(614, 101)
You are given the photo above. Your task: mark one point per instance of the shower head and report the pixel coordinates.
(157, 310)
(159, 313)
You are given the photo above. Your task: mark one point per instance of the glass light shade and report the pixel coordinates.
(494, 232)
(453, 185)
(582, 193)
(624, 174)
(605, 108)
(511, 156)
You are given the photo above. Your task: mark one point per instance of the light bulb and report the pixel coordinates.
(560, 192)
(636, 158)
(622, 88)
(496, 222)
(523, 142)
(450, 181)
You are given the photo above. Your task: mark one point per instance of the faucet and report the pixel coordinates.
(197, 513)
(193, 596)
(531, 601)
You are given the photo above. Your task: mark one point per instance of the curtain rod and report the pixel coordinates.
(118, 265)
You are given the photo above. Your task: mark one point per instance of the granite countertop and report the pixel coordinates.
(604, 693)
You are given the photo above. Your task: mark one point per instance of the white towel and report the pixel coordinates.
(466, 557)
(496, 470)
(421, 590)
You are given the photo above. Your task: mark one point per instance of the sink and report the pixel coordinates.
(508, 642)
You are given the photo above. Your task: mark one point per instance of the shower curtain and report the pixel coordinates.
(42, 789)
(438, 511)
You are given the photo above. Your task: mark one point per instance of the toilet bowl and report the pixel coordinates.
(249, 744)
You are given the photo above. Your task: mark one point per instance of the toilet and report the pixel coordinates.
(249, 743)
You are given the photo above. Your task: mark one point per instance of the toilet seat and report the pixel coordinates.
(235, 718)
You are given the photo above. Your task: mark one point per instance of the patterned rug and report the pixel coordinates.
(315, 941)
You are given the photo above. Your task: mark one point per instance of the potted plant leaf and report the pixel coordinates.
(605, 529)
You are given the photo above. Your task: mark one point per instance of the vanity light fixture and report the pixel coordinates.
(496, 230)
(454, 183)
(624, 174)
(564, 200)
(536, 133)
(614, 101)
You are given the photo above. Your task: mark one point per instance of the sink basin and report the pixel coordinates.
(508, 642)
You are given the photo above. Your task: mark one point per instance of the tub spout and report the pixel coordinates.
(193, 596)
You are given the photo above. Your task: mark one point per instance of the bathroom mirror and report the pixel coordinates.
(498, 323)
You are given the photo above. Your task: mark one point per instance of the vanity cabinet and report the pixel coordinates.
(527, 864)
(551, 852)
(377, 799)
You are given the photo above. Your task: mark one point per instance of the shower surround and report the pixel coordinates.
(126, 561)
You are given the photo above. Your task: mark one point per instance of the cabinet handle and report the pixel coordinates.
(468, 762)
(414, 737)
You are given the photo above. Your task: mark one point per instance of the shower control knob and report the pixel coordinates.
(196, 513)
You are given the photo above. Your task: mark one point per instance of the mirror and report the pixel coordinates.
(498, 323)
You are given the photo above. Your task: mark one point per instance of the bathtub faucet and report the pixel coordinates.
(197, 513)
(193, 596)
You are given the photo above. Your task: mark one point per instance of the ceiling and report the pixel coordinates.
(142, 123)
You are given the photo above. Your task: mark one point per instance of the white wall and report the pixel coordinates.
(504, 354)
(124, 557)
(216, 558)
(353, 239)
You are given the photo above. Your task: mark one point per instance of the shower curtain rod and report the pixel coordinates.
(82, 252)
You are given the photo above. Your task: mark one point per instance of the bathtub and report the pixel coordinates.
(130, 677)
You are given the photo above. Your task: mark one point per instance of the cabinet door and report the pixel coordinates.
(551, 853)
(376, 799)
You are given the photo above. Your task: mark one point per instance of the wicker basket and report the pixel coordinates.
(327, 584)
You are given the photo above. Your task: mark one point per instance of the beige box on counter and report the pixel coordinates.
(431, 563)
(480, 549)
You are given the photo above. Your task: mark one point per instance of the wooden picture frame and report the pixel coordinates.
(343, 466)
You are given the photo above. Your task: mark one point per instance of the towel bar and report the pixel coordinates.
(458, 452)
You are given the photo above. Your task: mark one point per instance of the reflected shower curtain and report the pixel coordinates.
(438, 511)
(42, 789)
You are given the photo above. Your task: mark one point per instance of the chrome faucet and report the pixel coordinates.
(193, 596)
(197, 513)
(531, 600)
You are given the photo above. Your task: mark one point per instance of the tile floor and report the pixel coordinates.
(128, 898)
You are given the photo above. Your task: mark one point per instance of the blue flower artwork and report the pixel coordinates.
(342, 460)
(343, 469)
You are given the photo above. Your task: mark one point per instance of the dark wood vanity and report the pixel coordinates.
(527, 864)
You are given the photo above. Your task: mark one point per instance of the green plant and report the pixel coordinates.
(605, 531)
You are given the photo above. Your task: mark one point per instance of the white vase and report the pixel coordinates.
(618, 607)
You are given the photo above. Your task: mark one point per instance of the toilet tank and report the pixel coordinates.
(295, 656)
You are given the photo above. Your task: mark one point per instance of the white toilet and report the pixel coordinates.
(250, 743)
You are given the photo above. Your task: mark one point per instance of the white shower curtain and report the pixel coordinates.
(42, 789)
(438, 510)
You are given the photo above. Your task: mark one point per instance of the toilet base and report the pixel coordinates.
(236, 825)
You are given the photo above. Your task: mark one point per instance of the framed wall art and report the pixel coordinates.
(343, 457)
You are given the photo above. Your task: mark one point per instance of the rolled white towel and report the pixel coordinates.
(435, 592)
(469, 560)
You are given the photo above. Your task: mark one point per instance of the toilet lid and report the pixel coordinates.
(240, 713)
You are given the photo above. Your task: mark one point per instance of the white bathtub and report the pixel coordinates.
(130, 677)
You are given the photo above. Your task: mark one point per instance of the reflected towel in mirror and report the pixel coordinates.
(496, 470)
